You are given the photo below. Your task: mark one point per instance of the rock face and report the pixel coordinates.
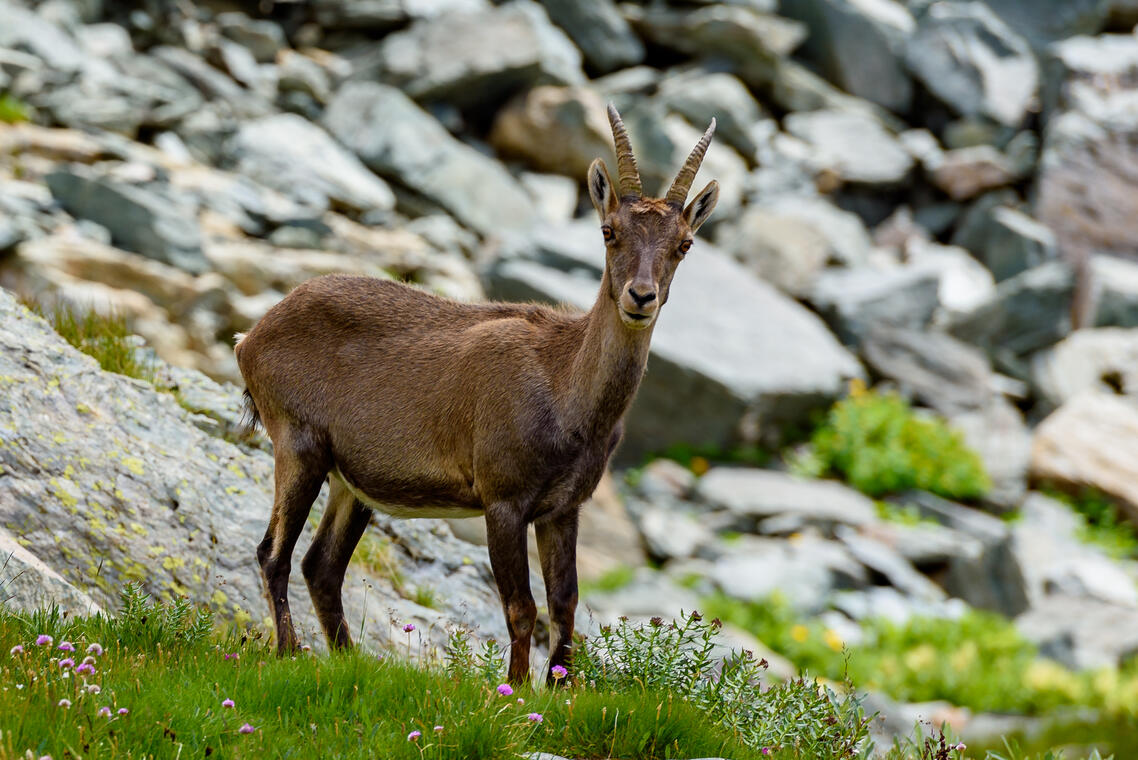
(1090, 441)
(856, 146)
(973, 61)
(1086, 181)
(466, 58)
(861, 46)
(396, 138)
(151, 498)
(138, 220)
(297, 158)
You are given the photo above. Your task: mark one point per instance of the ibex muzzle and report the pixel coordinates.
(421, 406)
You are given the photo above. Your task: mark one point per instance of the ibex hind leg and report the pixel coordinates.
(301, 464)
(326, 561)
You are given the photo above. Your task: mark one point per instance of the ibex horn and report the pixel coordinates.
(625, 161)
(678, 193)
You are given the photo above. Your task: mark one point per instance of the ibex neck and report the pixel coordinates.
(606, 369)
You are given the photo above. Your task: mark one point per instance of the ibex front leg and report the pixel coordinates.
(506, 540)
(557, 547)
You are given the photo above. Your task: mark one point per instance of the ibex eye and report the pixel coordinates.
(607, 232)
(685, 246)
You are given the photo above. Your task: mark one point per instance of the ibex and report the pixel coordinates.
(424, 407)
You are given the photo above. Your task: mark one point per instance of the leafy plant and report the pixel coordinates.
(879, 445)
(13, 110)
(1101, 523)
(680, 658)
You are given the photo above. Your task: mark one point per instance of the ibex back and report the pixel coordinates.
(424, 407)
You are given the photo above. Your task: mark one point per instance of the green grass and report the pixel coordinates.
(1101, 522)
(104, 337)
(166, 677)
(611, 580)
(13, 110)
(879, 445)
(172, 673)
(979, 661)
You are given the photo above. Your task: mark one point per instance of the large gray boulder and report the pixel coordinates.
(147, 496)
(753, 40)
(397, 138)
(299, 159)
(731, 358)
(854, 145)
(855, 300)
(1081, 633)
(1016, 243)
(1043, 21)
(986, 573)
(1029, 311)
(469, 59)
(699, 95)
(973, 61)
(145, 220)
(1103, 360)
(752, 495)
(606, 40)
(860, 46)
(930, 366)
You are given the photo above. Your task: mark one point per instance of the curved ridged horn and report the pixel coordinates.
(625, 162)
(678, 193)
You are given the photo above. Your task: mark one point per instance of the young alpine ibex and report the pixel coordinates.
(423, 407)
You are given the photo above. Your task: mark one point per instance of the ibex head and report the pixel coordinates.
(646, 237)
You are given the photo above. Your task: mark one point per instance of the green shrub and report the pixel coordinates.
(106, 338)
(13, 110)
(978, 661)
(805, 718)
(879, 445)
(1101, 523)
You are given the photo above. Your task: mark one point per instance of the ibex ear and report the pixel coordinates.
(601, 189)
(700, 209)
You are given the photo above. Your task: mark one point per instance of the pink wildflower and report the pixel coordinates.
(95, 649)
(94, 688)
(535, 717)
(227, 703)
(86, 669)
(246, 729)
(18, 649)
(438, 729)
(104, 712)
(66, 646)
(43, 640)
(558, 672)
(414, 736)
(408, 628)
(65, 703)
(505, 690)
(66, 662)
(123, 711)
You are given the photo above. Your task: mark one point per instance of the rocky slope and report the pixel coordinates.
(933, 196)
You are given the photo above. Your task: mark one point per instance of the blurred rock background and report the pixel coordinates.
(933, 198)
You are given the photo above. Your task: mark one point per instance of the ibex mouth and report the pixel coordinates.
(634, 320)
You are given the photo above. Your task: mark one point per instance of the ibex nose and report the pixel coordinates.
(641, 300)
